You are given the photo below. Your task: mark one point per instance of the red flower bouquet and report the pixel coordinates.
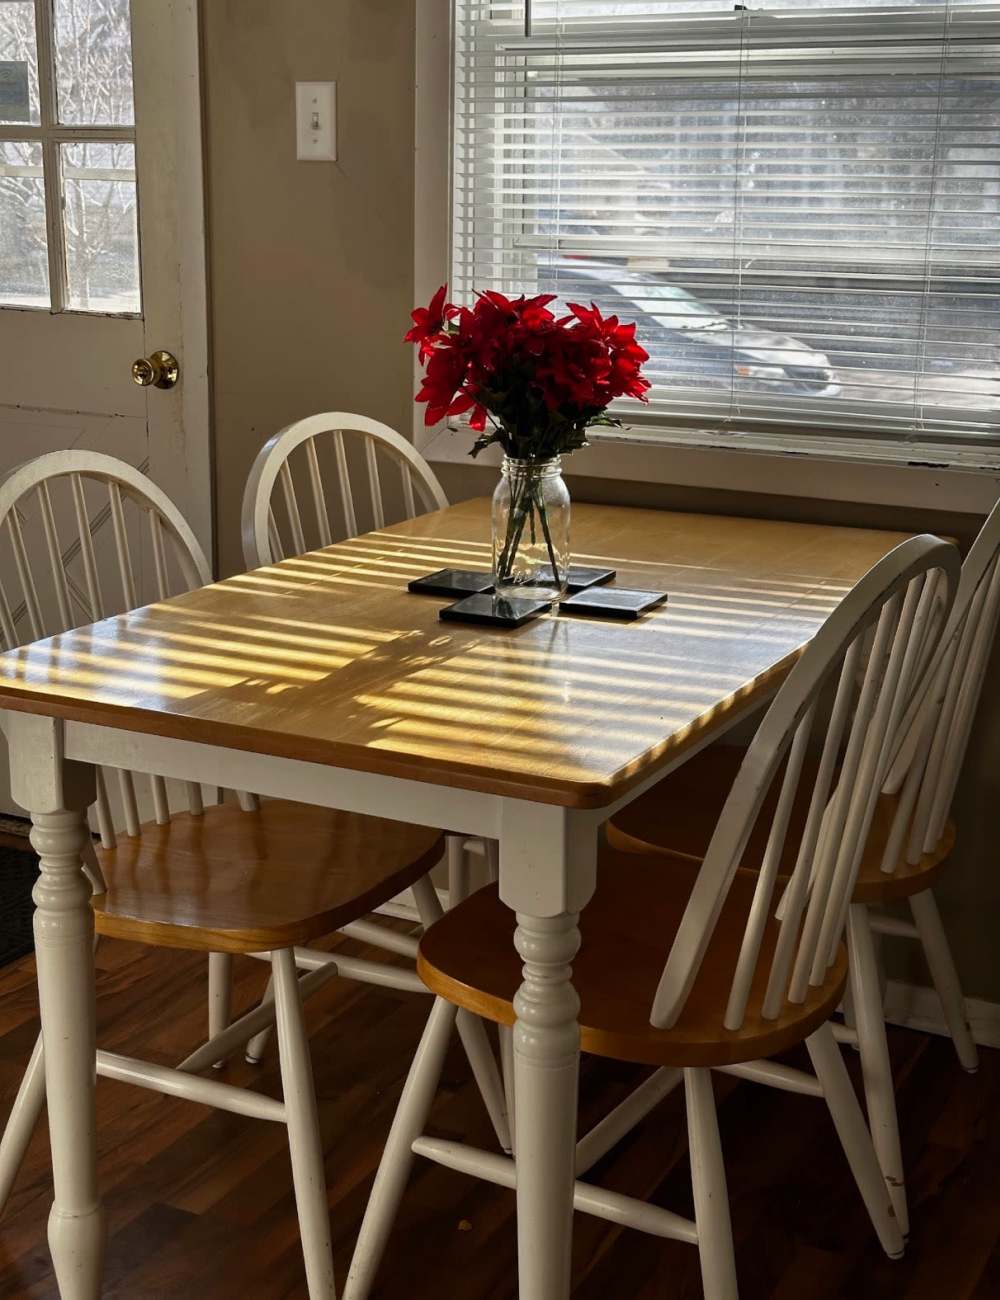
(538, 381)
(534, 383)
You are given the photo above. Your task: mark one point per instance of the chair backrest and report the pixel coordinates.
(939, 725)
(305, 521)
(84, 536)
(882, 634)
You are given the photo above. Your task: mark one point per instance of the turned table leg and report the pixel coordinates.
(547, 874)
(57, 795)
(546, 1073)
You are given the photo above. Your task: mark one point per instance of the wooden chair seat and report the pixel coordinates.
(235, 881)
(468, 957)
(678, 815)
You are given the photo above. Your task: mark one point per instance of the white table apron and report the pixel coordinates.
(547, 876)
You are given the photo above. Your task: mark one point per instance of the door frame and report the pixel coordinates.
(171, 182)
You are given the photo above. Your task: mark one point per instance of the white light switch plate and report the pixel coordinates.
(316, 121)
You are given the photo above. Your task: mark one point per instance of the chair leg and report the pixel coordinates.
(507, 1070)
(304, 1139)
(458, 870)
(876, 1068)
(220, 994)
(847, 1009)
(472, 1032)
(257, 1046)
(711, 1197)
(847, 1006)
(828, 1062)
(937, 950)
(397, 1158)
(22, 1121)
(27, 1108)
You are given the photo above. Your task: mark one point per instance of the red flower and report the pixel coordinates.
(494, 299)
(533, 313)
(428, 322)
(626, 357)
(445, 373)
(482, 332)
(541, 380)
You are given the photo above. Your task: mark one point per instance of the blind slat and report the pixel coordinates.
(803, 240)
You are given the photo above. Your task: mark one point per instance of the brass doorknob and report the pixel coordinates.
(159, 369)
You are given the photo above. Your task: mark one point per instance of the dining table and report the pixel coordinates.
(322, 679)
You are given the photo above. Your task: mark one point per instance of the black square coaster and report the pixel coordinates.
(626, 603)
(493, 611)
(580, 577)
(452, 582)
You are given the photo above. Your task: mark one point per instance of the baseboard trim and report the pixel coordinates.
(915, 1006)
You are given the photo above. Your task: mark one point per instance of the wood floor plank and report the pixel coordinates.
(200, 1203)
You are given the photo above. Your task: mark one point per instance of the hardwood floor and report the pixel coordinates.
(200, 1203)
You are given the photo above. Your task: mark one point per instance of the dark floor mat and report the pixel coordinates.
(18, 873)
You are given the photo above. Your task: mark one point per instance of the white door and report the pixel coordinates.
(102, 239)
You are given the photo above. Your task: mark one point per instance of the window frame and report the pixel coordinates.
(51, 134)
(951, 477)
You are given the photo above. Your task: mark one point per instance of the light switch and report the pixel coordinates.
(316, 121)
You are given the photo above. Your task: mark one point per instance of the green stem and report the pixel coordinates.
(515, 527)
(529, 489)
(544, 520)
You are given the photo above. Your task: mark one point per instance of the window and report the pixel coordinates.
(68, 223)
(800, 206)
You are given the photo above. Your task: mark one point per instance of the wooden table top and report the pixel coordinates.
(329, 659)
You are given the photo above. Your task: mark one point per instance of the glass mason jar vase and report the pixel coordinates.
(531, 510)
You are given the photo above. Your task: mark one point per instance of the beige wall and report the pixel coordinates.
(311, 264)
(312, 277)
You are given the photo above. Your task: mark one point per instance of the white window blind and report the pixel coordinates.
(799, 206)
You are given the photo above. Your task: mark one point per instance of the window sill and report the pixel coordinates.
(864, 473)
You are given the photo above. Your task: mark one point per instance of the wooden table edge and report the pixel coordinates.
(590, 795)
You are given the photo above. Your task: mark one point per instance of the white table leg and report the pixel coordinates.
(546, 875)
(57, 796)
(546, 1073)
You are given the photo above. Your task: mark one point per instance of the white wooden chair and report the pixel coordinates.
(908, 847)
(353, 446)
(289, 508)
(744, 978)
(261, 880)
(271, 534)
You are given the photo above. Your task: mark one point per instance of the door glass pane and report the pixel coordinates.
(99, 212)
(24, 265)
(18, 63)
(93, 46)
